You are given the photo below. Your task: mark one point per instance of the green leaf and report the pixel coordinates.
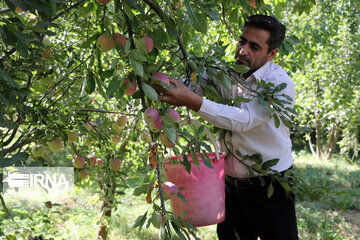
(276, 120)
(7, 125)
(179, 195)
(139, 222)
(269, 163)
(90, 83)
(206, 160)
(88, 42)
(150, 92)
(143, 189)
(270, 190)
(288, 46)
(280, 87)
(138, 67)
(194, 158)
(107, 73)
(291, 110)
(198, 20)
(137, 55)
(240, 68)
(8, 80)
(170, 133)
(206, 146)
(186, 163)
(113, 86)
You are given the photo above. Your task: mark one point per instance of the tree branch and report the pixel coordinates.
(103, 111)
(131, 38)
(160, 13)
(5, 11)
(66, 10)
(226, 23)
(57, 83)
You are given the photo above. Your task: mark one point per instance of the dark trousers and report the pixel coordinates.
(250, 213)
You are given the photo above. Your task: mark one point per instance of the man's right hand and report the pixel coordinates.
(179, 95)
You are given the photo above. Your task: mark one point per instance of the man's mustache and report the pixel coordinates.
(240, 59)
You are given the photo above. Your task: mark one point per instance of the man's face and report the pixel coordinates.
(252, 49)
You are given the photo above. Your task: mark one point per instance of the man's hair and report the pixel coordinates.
(271, 24)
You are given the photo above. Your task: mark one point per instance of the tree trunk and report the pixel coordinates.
(105, 209)
(334, 136)
(317, 119)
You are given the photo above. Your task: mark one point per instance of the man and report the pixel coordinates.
(250, 212)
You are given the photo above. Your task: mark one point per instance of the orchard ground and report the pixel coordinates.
(76, 216)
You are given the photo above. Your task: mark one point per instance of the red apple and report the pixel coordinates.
(115, 165)
(157, 125)
(146, 137)
(122, 120)
(149, 44)
(115, 140)
(162, 77)
(166, 141)
(130, 87)
(99, 163)
(72, 136)
(79, 162)
(120, 39)
(173, 115)
(251, 3)
(105, 43)
(83, 174)
(92, 161)
(170, 190)
(151, 115)
(39, 151)
(55, 145)
(47, 53)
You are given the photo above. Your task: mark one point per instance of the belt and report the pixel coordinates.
(252, 182)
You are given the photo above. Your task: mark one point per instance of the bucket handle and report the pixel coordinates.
(196, 123)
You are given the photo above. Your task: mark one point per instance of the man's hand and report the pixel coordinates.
(179, 95)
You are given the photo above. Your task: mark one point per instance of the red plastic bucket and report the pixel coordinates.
(204, 190)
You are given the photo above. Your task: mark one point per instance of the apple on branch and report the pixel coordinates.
(130, 86)
(39, 151)
(159, 78)
(173, 115)
(115, 165)
(83, 174)
(120, 39)
(72, 136)
(105, 43)
(157, 125)
(55, 145)
(151, 115)
(92, 161)
(170, 190)
(166, 141)
(79, 162)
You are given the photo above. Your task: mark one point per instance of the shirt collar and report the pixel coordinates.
(261, 71)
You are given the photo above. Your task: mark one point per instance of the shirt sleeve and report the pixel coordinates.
(240, 119)
(243, 118)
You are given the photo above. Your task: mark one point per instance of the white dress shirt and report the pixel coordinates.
(253, 129)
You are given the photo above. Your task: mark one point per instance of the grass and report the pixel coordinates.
(77, 215)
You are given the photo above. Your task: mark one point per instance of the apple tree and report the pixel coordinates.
(77, 81)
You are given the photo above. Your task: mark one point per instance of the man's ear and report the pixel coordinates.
(272, 54)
